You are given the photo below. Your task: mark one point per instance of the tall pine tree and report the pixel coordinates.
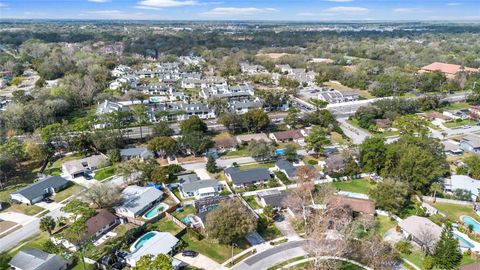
(211, 165)
(447, 254)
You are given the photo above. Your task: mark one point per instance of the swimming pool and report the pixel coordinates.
(157, 209)
(280, 152)
(142, 240)
(463, 242)
(471, 221)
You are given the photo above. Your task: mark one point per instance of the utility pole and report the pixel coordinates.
(231, 258)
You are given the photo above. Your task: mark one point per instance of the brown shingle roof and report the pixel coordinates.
(447, 68)
(288, 135)
(99, 221)
(475, 266)
(357, 205)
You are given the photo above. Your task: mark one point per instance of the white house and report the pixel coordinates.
(84, 166)
(137, 200)
(464, 182)
(191, 185)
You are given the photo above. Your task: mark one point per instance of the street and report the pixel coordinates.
(356, 134)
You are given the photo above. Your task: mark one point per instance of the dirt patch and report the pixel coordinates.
(5, 225)
(162, 161)
(273, 56)
(190, 159)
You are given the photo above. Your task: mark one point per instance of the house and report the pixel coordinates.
(334, 96)
(230, 93)
(190, 83)
(335, 163)
(420, 229)
(40, 190)
(102, 222)
(250, 69)
(141, 153)
(213, 81)
(471, 143)
(154, 243)
(34, 259)
(84, 166)
(191, 185)
(457, 114)
(286, 136)
(244, 106)
(137, 200)
(474, 111)
(449, 70)
(246, 138)
(452, 148)
(274, 198)
(287, 168)
(205, 205)
(383, 124)
(462, 182)
(222, 143)
(241, 179)
(109, 107)
(438, 117)
(356, 205)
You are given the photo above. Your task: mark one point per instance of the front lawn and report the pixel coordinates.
(454, 211)
(210, 248)
(29, 210)
(242, 152)
(249, 166)
(357, 186)
(105, 173)
(416, 257)
(384, 224)
(62, 195)
(460, 123)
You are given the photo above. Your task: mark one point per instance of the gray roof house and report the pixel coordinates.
(80, 167)
(34, 259)
(287, 168)
(464, 182)
(274, 198)
(39, 190)
(137, 200)
(248, 177)
(157, 243)
(419, 229)
(471, 143)
(137, 152)
(191, 185)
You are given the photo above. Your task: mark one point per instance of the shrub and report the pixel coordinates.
(404, 247)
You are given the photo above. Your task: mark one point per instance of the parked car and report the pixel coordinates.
(189, 253)
(48, 200)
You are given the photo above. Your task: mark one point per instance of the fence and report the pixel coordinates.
(442, 200)
(175, 220)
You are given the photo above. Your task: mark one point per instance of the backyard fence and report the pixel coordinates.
(443, 200)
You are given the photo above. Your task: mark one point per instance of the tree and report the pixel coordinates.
(269, 212)
(103, 195)
(431, 81)
(230, 222)
(165, 146)
(232, 121)
(255, 120)
(390, 195)
(159, 262)
(290, 152)
(47, 224)
(128, 169)
(372, 154)
(447, 254)
(162, 129)
(193, 124)
(261, 150)
(473, 163)
(319, 104)
(292, 118)
(139, 111)
(195, 142)
(317, 139)
(462, 194)
(412, 125)
(211, 165)
(435, 188)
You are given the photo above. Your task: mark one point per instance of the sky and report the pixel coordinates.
(295, 10)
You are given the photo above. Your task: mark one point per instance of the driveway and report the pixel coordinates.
(357, 135)
(392, 236)
(201, 261)
(17, 217)
(82, 181)
(203, 174)
(286, 228)
(272, 256)
(50, 206)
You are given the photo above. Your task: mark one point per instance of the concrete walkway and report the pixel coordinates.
(200, 261)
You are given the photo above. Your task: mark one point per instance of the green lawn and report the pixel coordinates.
(384, 224)
(30, 210)
(164, 225)
(455, 123)
(242, 152)
(57, 164)
(457, 106)
(357, 186)
(62, 195)
(283, 178)
(454, 211)
(257, 165)
(104, 173)
(416, 257)
(252, 202)
(218, 252)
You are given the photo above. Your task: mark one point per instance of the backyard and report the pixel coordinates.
(454, 211)
(164, 225)
(184, 212)
(357, 186)
(252, 202)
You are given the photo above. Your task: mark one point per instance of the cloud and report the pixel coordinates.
(237, 11)
(340, 1)
(99, 1)
(346, 10)
(147, 7)
(454, 4)
(406, 10)
(167, 3)
(3, 6)
(306, 14)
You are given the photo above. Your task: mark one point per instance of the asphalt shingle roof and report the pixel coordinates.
(34, 259)
(39, 188)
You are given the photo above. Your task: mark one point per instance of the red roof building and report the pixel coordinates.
(450, 70)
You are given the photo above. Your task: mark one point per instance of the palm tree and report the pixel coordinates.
(436, 187)
(47, 224)
(140, 113)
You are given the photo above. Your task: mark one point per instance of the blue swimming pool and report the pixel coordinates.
(463, 242)
(157, 209)
(280, 152)
(142, 240)
(469, 221)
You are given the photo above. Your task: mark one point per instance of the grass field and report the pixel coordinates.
(210, 248)
(242, 152)
(164, 225)
(257, 165)
(189, 209)
(62, 195)
(104, 173)
(384, 224)
(465, 122)
(30, 210)
(416, 257)
(252, 202)
(357, 186)
(454, 211)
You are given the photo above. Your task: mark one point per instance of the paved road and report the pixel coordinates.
(272, 256)
(220, 163)
(357, 135)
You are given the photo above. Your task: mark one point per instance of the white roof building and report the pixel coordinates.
(160, 243)
(462, 182)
